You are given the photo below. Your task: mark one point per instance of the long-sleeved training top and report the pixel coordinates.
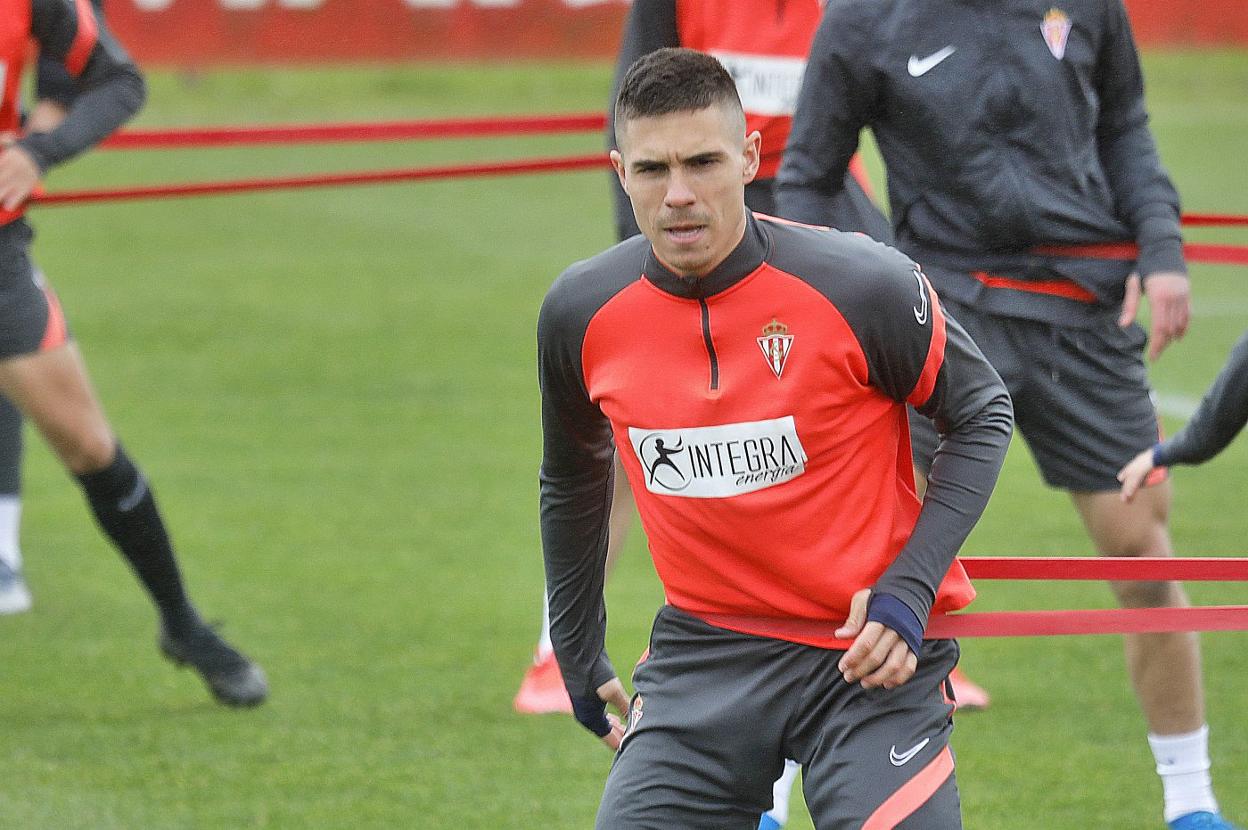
(110, 87)
(760, 415)
(52, 80)
(1005, 126)
(1219, 418)
(763, 45)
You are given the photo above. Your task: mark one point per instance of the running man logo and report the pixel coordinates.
(719, 461)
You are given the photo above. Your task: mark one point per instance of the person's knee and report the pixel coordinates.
(1148, 594)
(88, 451)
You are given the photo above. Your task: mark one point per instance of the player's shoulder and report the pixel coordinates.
(844, 267)
(587, 285)
(861, 13)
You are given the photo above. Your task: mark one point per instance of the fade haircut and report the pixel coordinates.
(672, 80)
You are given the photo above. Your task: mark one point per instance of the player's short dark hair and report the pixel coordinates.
(673, 80)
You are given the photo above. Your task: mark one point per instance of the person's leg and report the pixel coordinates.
(781, 794)
(880, 758)
(14, 594)
(1165, 669)
(541, 689)
(1097, 413)
(52, 389)
(686, 760)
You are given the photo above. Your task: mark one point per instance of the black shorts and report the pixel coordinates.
(717, 712)
(31, 319)
(1081, 395)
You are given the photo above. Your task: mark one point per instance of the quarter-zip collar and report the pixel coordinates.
(744, 260)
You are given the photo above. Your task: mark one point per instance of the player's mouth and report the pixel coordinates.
(685, 233)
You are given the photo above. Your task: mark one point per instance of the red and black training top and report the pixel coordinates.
(760, 414)
(108, 88)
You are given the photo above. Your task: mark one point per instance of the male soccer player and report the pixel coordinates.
(54, 90)
(1221, 415)
(774, 362)
(764, 47)
(41, 370)
(1014, 132)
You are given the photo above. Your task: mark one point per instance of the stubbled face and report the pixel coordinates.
(686, 175)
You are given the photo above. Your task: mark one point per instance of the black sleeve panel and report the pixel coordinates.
(974, 416)
(1143, 193)
(890, 307)
(110, 87)
(576, 472)
(877, 289)
(1221, 415)
(835, 102)
(651, 25)
(52, 80)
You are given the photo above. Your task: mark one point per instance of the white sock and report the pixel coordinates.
(544, 646)
(10, 519)
(781, 790)
(1183, 764)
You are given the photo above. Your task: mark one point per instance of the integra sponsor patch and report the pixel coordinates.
(768, 85)
(714, 462)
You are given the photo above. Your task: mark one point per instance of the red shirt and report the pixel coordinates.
(764, 47)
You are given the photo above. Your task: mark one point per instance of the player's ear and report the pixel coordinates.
(753, 154)
(617, 163)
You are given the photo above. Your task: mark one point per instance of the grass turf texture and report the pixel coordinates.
(333, 393)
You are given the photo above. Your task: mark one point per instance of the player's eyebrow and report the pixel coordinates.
(702, 158)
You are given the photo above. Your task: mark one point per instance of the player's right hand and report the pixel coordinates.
(591, 712)
(19, 173)
(879, 656)
(1169, 298)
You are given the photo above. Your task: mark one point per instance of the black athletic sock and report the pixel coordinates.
(126, 511)
(10, 449)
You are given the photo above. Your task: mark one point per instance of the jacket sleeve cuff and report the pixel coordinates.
(1159, 455)
(1161, 247)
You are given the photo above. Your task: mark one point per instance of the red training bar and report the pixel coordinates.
(1100, 621)
(1192, 251)
(326, 133)
(1213, 219)
(500, 168)
(1206, 569)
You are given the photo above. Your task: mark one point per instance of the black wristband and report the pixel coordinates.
(591, 713)
(891, 612)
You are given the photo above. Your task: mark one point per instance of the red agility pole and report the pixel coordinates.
(1107, 621)
(430, 128)
(1207, 569)
(499, 168)
(1110, 621)
(1192, 251)
(1214, 220)
(235, 136)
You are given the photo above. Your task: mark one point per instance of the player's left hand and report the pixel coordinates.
(19, 173)
(879, 657)
(1170, 302)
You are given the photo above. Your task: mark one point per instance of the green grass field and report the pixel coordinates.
(333, 393)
